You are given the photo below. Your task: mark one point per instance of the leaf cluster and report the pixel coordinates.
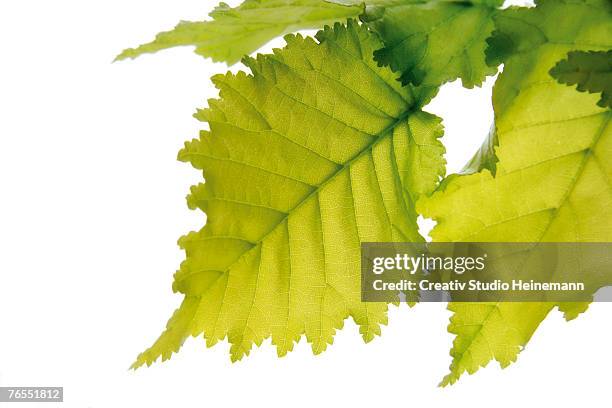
(327, 144)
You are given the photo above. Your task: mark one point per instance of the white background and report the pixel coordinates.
(91, 206)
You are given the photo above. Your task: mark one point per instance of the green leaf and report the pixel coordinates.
(591, 71)
(553, 179)
(434, 42)
(235, 32)
(315, 152)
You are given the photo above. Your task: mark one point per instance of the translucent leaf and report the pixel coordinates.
(553, 176)
(235, 32)
(316, 152)
(591, 71)
(435, 42)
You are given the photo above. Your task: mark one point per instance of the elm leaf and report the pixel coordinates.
(313, 153)
(552, 181)
(434, 42)
(590, 70)
(235, 32)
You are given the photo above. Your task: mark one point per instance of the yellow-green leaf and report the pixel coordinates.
(553, 178)
(235, 32)
(316, 151)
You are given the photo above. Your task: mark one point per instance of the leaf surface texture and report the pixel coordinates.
(553, 175)
(434, 42)
(591, 71)
(316, 152)
(234, 32)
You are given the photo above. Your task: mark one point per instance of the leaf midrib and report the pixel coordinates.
(579, 172)
(382, 135)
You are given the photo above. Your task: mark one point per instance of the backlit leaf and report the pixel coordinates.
(553, 176)
(315, 152)
(234, 32)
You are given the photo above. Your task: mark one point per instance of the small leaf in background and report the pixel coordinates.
(235, 32)
(590, 70)
(431, 43)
